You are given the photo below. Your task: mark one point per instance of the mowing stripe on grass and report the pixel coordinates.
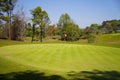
(63, 57)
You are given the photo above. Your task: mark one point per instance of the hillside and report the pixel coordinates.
(111, 40)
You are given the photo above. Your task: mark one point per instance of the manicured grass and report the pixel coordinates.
(60, 58)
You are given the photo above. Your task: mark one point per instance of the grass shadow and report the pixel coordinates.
(83, 75)
(29, 75)
(94, 75)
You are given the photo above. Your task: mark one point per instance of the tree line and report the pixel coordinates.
(12, 26)
(15, 27)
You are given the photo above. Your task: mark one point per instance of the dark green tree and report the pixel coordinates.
(69, 30)
(64, 20)
(41, 19)
(110, 26)
(94, 28)
(29, 30)
(73, 32)
(6, 10)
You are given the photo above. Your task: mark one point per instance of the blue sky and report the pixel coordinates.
(83, 12)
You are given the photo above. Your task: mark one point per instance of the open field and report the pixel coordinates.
(71, 58)
(58, 58)
(63, 57)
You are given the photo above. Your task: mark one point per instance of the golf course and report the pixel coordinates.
(59, 40)
(58, 58)
(63, 57)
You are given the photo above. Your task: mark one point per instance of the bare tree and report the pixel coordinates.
(18, 26)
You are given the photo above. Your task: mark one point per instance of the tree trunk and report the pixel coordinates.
(33, 30)
(41, 34)
(8, 25)
(9, 14)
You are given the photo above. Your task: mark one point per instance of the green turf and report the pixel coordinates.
(113, 38)
(59, 57)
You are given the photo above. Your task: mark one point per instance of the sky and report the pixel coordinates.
(82, 12)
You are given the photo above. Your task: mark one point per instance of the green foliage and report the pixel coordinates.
(40, 18)
(94, 28)
(91, 38)
(57, 31)
(73, 32)
(67, 27)
(111, 26)
(7, 6)
(6, 9)
(29, 30)
(50, 30)
(64, 20)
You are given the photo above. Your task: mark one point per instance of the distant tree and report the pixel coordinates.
(69, 31)
(115, 25)
(33, 32)
(40, 18)
(29, 30)
(57, 31)
(107, 27)
(3, 31)
(87, 30)
(94, 28)
(50, 30)
(18, 26)
(6, 10)
(1, 13)
(2, 6)
(91, 38)
(64, 20)
(110, 26)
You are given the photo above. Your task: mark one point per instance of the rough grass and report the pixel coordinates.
(59, 57)
(110, 40)
(10, 42)
(113, 38)
(109, 37)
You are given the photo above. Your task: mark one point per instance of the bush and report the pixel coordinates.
(72, 31)
(91, 38)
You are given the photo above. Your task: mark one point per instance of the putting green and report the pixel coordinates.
(63, 57)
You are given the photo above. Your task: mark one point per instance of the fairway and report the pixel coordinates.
(62, 57)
